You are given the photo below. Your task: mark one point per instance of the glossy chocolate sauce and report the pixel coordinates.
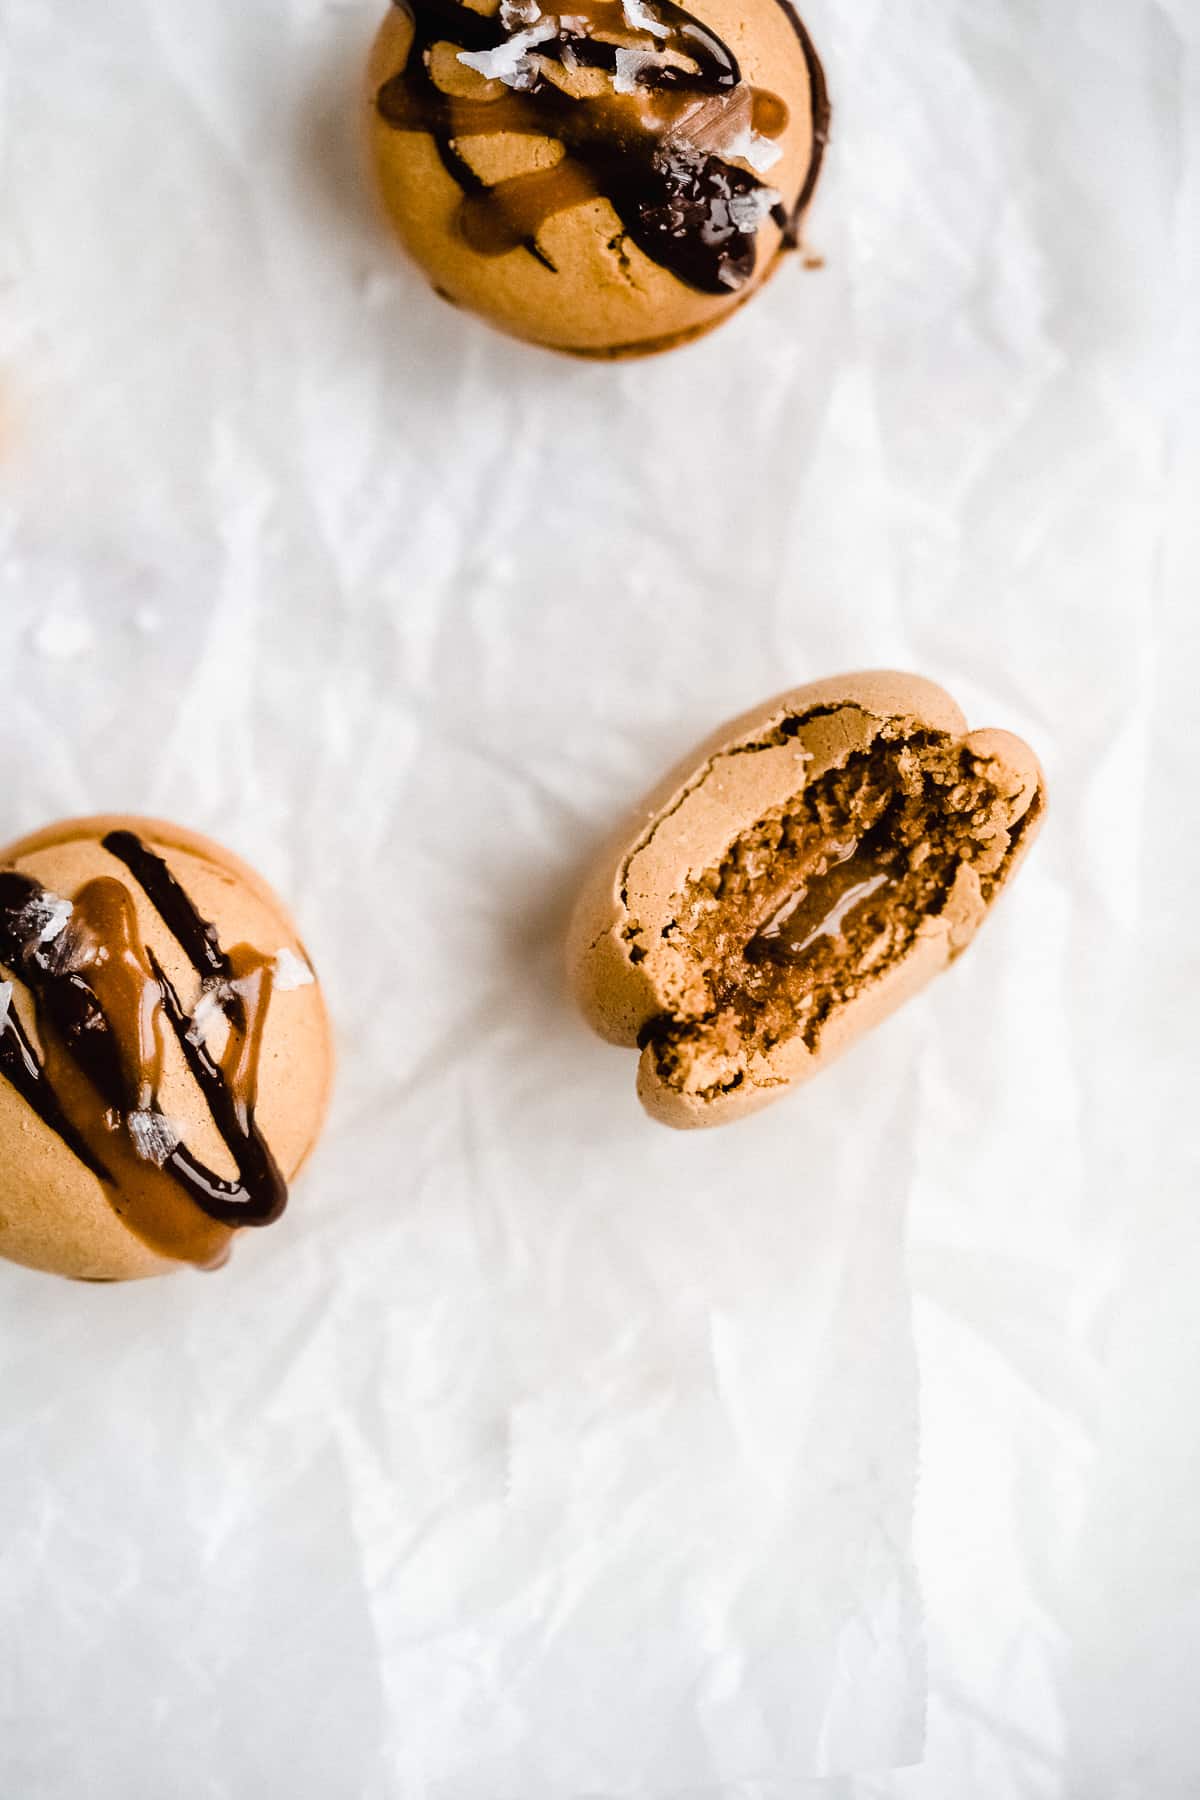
(105, 1013)
(21, 1069)
(657, 151)
(821, 909)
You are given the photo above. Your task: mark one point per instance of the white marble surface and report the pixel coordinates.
(541, 1455)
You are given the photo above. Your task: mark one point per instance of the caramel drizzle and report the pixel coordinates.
(104, 1008)
(681, 204)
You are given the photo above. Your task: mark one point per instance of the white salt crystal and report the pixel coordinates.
(510, 62)
(630, 64)
(210, 1008)
(749, 210)
(43, 919)
(291, 973)
(154, 1136)
(639, 17)
(762, 153)
(57, 918)
(6, 994)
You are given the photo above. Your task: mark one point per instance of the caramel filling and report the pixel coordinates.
(821, 899)
(822, 907)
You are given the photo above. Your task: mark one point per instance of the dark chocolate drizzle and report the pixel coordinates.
(684, 206)
(196, 937)
(101, 1001)
(19, 1066)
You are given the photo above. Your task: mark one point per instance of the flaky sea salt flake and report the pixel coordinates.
(630, 64)
(749, 210)
(43, 919)
(762, 153)
(58, 917)
(291, 972)
(510, 62)
(516, 13)
(209, 1009)
(154, 1136)
(6, 994)
(640, 17)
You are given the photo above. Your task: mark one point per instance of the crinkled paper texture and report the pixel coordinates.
(540, 1454)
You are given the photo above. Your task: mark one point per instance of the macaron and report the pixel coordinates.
(610, 181)
(165, 1053)
(792, 882)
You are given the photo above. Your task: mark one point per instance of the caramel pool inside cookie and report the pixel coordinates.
(823, 906)
(821, 898)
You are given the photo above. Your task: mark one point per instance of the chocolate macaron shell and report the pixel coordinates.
(580, 283)
(1018, 766)
(704, 800)
(636, 970)
(767, 1079)
(57, 1213)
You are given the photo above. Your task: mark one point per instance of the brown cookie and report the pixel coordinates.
(609, 181)
(792, 882)
(165, 1054)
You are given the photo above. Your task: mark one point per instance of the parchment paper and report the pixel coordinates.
(540, 1454)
